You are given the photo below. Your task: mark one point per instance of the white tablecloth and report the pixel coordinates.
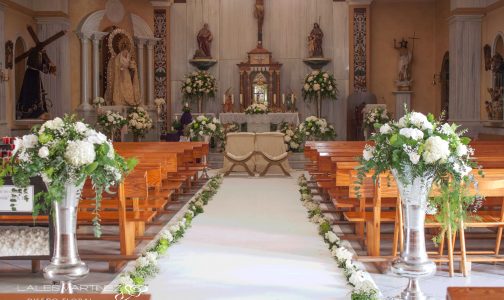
(271, 118)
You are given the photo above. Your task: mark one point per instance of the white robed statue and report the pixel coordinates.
(123, 87)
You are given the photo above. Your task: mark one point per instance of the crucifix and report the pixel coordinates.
(32, 103)
(259, 15)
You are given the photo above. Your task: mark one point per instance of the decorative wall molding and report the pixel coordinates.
(160, 58)
(359, 30)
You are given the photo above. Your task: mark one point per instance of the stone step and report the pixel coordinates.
(297, 161)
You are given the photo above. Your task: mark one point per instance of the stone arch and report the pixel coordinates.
(91, 24)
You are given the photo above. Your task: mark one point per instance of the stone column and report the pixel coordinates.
(4, 126)
(465, 62)
(150, 72)
(97, 37)
(84, 105)
(402, 98)
(140, 43)
(58, 86)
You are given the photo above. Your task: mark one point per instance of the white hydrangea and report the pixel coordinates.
(331, 237)
(341, 253)
(80, 153)
(94, 137)
(18, 145)
(166, 234)
(142, 262)
(412, 133)
(446, 129)
(420, 120)
(174, 228)
(414, 157)
(462, 169)
(385, 129)
(368, 152)
(362, 282)
(436, 149)
(126, 280)
(212, 127)
(80, 127)
(151, 257)
(462, 150)
(43, 152)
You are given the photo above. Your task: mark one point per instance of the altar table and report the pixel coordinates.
(259, 122)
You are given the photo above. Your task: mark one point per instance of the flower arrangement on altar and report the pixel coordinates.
(203, 127)
(65, 151)
(98, 102)
(111, 121)
(139, 121)
(159, 102)
(317, 129)
(293, 138)
(257, 109)
(198, 84)
(420, 150)
(376, 115)
(319, 82)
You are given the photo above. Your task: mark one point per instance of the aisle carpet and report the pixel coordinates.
(254, 241)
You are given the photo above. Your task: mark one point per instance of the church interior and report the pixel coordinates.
(252, 149)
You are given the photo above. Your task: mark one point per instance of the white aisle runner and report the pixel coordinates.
(254, 241)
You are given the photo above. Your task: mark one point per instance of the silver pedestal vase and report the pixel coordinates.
(413, 262)
(319, 105)
(66, 265)
(206, 139)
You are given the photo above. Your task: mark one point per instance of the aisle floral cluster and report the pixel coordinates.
(376, 115)
(24, 241)
(146, 266)
(293, 138)
(203, 126)
(65, 151)
(257, 109)
(111, 121)
(419, 146)
(319, 82)
(317, 129)
(198, 84)
(363, 286)
(98, 102)
(139, 121)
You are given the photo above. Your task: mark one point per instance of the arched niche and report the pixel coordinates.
(19, 68)
(89, 32)
(497, 63)
(498, 44)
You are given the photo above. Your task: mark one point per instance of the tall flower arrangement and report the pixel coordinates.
(198, 84)
(139, 121)
(319, 82)
(376, 115)
(419, 146)
(110, 122)
(294, 138)
(66, 151)
(203, 126)
(257, 109)
(317, 129)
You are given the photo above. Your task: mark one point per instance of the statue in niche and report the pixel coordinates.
(204, 39)
(228, 101)
(487, 54)
(497, 67)
(315, 42)
(123, 87)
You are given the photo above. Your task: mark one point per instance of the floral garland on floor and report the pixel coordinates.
(146, 266)
(363, 287)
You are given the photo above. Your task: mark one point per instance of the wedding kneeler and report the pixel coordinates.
(239, 153)
(271, 154)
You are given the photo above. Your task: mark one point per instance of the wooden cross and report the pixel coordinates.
(39, 46)
(414, 37)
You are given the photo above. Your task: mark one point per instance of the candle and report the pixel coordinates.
(176, 118)
(241, 99)
(283, 99)
(223, 99)
(274, 99)
(232, 99)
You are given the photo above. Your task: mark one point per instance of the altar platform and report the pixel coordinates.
(259, 122)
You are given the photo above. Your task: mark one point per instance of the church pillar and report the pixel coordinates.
(97, 37)
(150, 72)
(84, 105)
(4, 126)
(57, 86)
(140, 61)
(465, 62)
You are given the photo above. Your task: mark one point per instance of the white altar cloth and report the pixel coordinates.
(259, 122)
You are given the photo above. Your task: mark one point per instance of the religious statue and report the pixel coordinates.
(404, 67)
(259, 15)
(204, 39)
(9, 54)
(315, 42)
(123, 87)
(494, 107)
(487, 54)
(228, 101)
(497, 67)
(32, 102)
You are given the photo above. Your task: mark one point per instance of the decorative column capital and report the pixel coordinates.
(161, 3)
(83, 36)
(151, 43)
(140, 41)
(98, 36)
(359, 2)
(465, 18)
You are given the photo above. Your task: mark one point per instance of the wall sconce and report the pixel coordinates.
(436, 78)
(4, 74)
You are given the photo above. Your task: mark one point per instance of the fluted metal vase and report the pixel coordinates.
(66, 265)
(413, 262)
(206, 139)
(319, 106)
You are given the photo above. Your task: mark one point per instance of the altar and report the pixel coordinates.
(259, 122)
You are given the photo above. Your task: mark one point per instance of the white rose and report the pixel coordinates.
(29, 141)
(95, 137)
(80, 127)
(287, 138)
(462, 150)
(294, 145)
(316, 87)
(43, 152)
(436, 149)
(385, 129)
(331, 237)
(414, 157)
(368, 152)
(18, 144)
